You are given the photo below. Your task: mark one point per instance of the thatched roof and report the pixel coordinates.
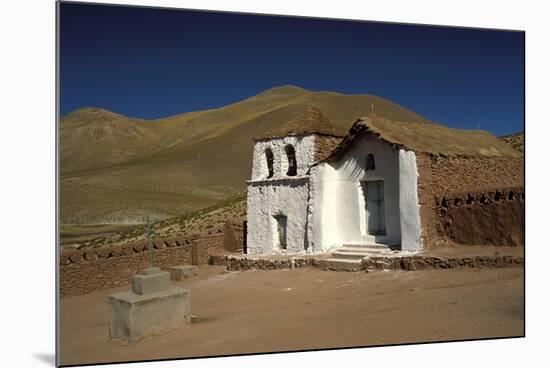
(432, 139)
(311, 121)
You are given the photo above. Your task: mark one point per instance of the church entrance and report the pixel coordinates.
(373, 192)
(280, 234)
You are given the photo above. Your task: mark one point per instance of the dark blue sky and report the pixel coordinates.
(151, 63)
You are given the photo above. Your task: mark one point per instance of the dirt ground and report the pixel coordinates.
(262, 311)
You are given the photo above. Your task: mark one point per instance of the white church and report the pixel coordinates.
(313, 190)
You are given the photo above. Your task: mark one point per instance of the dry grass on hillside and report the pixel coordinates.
(207, 221)
(115, 168)
(516, 140)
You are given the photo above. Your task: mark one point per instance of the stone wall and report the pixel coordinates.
(446, 176)
(324, 145)
(494, 217)
(452, 175)
(85, 270)
(245, 263)
(369, 264)
(416, 263)
(233, 236)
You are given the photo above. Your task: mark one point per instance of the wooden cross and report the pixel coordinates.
(149, 242)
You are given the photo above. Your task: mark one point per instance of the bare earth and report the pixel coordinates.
(260, 311)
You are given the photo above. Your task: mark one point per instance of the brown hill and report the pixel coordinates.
(516, 140)
(114, 169)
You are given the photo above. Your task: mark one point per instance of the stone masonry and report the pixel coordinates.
(442, 176)
(84, 270)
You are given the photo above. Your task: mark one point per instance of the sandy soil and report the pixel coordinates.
(259, 311)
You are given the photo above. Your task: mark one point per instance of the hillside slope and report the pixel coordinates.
(516, 140)
(114, 169)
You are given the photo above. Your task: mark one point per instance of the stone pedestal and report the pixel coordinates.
(179, 273)
(153, 306)
(150, 280)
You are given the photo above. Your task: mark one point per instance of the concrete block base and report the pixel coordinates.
(150, 280)
(133, 316)
(179, 273)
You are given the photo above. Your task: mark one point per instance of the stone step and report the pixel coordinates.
(348, 255)
(343, 264)
(355, 255)
(369, 246)
(365, 251)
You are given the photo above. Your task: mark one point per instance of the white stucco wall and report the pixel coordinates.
(341, 216)
(279, 195)
(303, 146)
(326, 209)
(269, 198)
(408, 201)
(324, 185)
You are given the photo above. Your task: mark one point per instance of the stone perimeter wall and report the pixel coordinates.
(445, 176)
(415, 263)
(84, 270)
(406, 263)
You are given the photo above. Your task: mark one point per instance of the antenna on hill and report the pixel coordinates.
(477, 119)
(372, 107)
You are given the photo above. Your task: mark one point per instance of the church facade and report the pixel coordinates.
(314, 188)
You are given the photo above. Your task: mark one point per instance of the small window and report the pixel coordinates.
(291, 154)
(371, 165)
(269, 159)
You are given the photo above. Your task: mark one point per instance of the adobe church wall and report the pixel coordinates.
(339, 216)
(303, 146)
(84, 270)
(426, 200)
(440, 176)
(409, 210)
(494, 217)
(324, 145)
(233, 236)
(475, 174)
(279, 197)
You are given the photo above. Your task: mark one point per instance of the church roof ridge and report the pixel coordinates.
(311, 121)
(433, 139)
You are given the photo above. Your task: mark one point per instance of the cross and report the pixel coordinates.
(149, 242)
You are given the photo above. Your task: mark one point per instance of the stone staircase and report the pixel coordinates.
(349, 256)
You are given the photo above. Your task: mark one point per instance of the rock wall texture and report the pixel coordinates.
(84, 270)
(324, 145)
(416, 263)
(233, 236)
(406, 263)
(494, 217)
(450, 176)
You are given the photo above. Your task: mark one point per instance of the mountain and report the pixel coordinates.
(115, 169)
(516, 140)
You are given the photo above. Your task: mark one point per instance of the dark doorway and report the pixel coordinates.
(280, 236)
(375, 207)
